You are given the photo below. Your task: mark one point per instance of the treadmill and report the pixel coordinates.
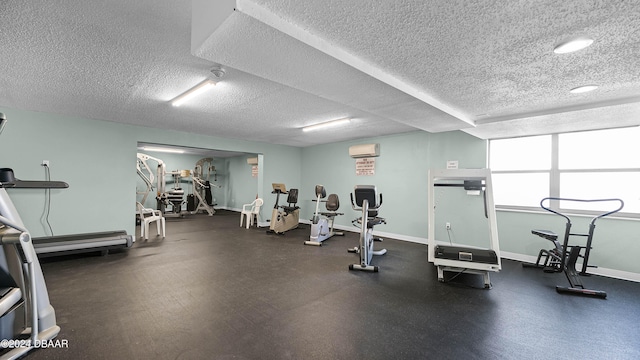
(60, 245)
(101, 242)
(458, 257)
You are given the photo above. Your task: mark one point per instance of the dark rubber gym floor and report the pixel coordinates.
(213, 290)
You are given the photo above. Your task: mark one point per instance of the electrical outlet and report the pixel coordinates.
(45, 163)
(448, 226)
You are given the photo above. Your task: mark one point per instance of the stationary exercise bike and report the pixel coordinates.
(563, 256)
(365, 201)
(284, 217)
(322, 222)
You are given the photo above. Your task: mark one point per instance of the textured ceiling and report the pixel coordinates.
(486, 68)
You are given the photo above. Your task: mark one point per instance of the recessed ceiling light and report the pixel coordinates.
(583, 89)
(571, 45)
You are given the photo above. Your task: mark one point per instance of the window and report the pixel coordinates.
(582, 165)
(518, 164)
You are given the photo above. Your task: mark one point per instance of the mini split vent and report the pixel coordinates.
(252, 161)
(364, 150)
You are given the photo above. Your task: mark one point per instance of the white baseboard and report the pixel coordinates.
(612, 273)
(383, 234)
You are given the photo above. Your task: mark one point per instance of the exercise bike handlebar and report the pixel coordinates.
(318, 201)
(593, 220)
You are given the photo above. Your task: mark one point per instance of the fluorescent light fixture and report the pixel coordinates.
(583, 89)
(571, 45)
(161, 149)
(193, 92)
(327, 124)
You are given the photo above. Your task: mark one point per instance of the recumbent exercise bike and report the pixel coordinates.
(322, 222)
(365, 201)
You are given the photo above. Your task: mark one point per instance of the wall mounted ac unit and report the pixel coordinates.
(364, 150)
(252, 161)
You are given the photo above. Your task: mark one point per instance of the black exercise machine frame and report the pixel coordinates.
(564, 256)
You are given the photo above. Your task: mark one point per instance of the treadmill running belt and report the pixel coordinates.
(78, 243)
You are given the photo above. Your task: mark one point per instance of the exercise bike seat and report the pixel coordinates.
(547, 234)
(332, 204)
(292, 199)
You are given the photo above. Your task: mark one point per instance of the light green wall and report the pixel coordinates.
(400, 176)
(242, 188)
(465, 214)
(96, 158)
(616, 242)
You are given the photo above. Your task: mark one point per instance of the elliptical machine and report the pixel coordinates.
(365, 201)
(284, 217)
(322, 222)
